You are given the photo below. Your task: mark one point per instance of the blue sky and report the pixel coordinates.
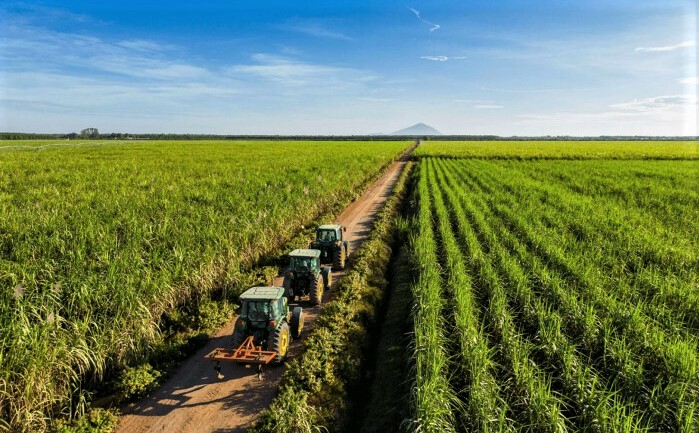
(316, 67)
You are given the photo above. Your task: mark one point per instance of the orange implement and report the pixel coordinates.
(247, 353)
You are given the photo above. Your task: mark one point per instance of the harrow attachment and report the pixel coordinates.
(247, 353)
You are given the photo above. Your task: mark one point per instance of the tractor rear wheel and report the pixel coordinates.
(339, 258)
(279, 342)
(296, 322)
(288, 292)
(316, 291)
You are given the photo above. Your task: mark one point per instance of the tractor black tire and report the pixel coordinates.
(287, 288)
(327, 277)
(296, 322)
(238, 339)
(279, 342)
(315, 292)
(339, 258)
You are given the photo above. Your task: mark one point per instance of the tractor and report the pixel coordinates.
(305, 276)
(264, 322)
(334, 249)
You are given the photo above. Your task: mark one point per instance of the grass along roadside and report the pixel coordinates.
(315, 387)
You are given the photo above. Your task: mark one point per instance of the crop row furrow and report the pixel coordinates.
(671, 360)
(432, 397)
(486, 410)
(636, 268)
(660, 306)
(591, 405)
(530, 396)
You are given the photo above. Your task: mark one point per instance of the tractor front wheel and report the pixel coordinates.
(279, 342)
(296, 322)
(316, 291)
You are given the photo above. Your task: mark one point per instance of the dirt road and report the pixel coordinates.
(195, 400)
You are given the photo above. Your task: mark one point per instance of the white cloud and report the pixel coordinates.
(657, 103)
(472, 101)
(689, 80)
(488, 106)
(535, 90)
(685, 44)
(296, 73)
(442, 58)
(143, 45)
(315, 29)
(373, 99)
(23, 45)
(661, 115)
(417, 14)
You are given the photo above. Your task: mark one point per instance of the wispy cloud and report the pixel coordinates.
(660, 115)
(536, 90)
(315, 29)
(442, 58)
(22, 46)
(472, 101)
(488, 106)
(657, 103)
(291, 72)
(689, 80)
(685, 44)
(373, 99)
(417, 14)
(144, 45)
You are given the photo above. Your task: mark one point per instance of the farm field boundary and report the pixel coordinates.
(523, 150)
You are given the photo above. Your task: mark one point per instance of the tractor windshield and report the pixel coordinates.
(258, 311)
(326, 235)
(301, 263)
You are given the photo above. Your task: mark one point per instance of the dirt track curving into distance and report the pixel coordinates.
(195, 400)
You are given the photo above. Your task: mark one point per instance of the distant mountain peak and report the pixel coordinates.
(417, 129)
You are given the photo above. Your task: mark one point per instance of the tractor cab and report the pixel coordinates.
(328, 234)
(304, 276)
(263, 308)
(304, 263)
(332, 245)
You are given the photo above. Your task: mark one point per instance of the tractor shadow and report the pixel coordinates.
(196, 383)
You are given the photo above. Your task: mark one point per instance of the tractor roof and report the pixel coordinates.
(301, 252)
(262, 294)
(330, 227)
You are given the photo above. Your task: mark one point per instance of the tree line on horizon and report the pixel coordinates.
(94, 134)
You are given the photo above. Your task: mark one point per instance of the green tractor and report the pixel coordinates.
(264, 321)
(334, 249)
(305, 276)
